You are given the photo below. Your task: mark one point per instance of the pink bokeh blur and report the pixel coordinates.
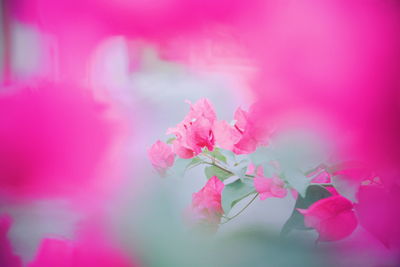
(329, 66)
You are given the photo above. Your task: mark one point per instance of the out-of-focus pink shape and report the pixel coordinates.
(7, 257)
(54, 139)
(353, 172)
(206, 206)
(270, 187)
(332, 217)
(78, 26)
(319, 63)
(161, 156)
(131, 17)
(195, 131)
(82, 253)
(378, 212)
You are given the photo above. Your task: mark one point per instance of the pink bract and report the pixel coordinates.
(225, 135)
(206, 204)
(257, 171)
(270, 187)
(161, 156)
(195, 131)
(332, 217)
(245, 135)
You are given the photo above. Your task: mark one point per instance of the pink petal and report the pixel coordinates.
(161, 155)
(332, 217)
(206, 204)
(225, 135)
(241, 118)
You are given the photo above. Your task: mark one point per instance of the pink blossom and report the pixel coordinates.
(245, 135)
(241, 118)
(161, 156)
(270, 187)
(332, 217)
(255, 130)
(195, 131)
(206, 204)
(257, 171)
(225, 135)
(7, 257)
(53, 140)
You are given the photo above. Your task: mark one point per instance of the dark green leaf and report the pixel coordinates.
(296, 219)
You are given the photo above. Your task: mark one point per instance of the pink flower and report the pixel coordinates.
(7, 257)
(241, 118)
(206, 204)
(332, 217)
(161, 156)
(225, 135)
(244, 136)
(195, 131)
(53, 140)
(270, 187)
(257, 171)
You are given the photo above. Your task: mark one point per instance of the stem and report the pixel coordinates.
(322, 184)
(213, 159)
(237, 214)
(216, 165)
(195, 165)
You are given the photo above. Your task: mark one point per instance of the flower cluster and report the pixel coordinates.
(244, 151)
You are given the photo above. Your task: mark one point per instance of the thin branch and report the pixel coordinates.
(237, 214)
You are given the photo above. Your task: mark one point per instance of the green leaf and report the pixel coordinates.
(170, 140)
(296, 219)
(216, 153)
(195, 161)
(346, 187)
(229, 155)
(297, 180)
(235, 192)
(211, 171)
(239, 169)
